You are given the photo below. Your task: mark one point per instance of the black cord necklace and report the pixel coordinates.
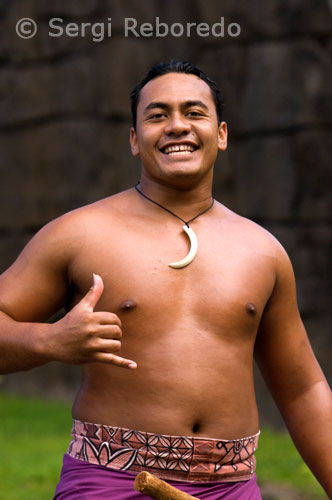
(188, 230)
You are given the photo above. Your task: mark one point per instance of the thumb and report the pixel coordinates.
(95, 292)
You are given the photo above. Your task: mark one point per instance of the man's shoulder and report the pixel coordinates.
(254, 235)
(68, 232)
(78, 220)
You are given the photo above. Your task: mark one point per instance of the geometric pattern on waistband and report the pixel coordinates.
(169, 457)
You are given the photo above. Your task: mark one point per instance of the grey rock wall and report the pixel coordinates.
(64, 126)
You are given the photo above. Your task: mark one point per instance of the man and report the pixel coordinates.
(183, 328)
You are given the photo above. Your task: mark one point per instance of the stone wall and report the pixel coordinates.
(64, 123)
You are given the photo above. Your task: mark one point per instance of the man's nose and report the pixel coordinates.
(177, 124)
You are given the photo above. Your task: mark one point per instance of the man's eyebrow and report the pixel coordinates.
(164, 105)
(189, 104)
(156, 104)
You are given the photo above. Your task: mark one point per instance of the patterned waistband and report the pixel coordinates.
(177, 458)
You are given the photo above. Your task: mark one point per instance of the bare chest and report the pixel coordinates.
(225, 288)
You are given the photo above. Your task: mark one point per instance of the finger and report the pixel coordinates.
(113, 359)
(95, 292)
(107, 345)
(107, 318)
(109, 332)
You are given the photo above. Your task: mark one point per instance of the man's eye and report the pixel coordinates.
(195, 113)
(157, 116)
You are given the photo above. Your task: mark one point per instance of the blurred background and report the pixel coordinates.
(65, 119)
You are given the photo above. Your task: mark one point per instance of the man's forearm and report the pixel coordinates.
(309, 420)
(20, 344)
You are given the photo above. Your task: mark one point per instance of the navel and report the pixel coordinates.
(251, 309)
(127, 305)
(196, 427)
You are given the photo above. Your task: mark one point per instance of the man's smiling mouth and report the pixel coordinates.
(179, 149)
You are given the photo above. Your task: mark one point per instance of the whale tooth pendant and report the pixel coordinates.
(192, 252)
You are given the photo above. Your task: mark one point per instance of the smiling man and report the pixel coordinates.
(167, 333)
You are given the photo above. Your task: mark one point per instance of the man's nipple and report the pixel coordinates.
(251, 309)
(127, 305)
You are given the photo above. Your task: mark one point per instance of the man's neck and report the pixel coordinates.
(187, 200)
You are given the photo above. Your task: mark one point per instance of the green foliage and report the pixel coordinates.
(34, 435)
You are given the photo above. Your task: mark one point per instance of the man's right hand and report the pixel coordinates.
(85, 336)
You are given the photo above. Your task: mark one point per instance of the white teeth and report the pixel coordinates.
(184, 148)
(177, 152)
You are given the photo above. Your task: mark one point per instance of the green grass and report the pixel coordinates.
(35, 434)
(279, 462)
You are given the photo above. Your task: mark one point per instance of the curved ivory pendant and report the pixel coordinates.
(192, 252)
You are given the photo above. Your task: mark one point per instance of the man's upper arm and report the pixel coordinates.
(282, 348)
(35, 286)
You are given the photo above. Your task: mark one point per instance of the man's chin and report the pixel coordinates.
(181, 177)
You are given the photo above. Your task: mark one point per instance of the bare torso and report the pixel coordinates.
(191, 331)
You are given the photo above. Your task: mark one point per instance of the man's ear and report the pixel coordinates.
(222, 136)
(133, 142)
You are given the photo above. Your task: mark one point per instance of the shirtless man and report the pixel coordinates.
(167, 352)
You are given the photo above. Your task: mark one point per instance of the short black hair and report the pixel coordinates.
(176, 67)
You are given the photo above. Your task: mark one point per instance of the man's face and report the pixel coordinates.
(177, 134)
